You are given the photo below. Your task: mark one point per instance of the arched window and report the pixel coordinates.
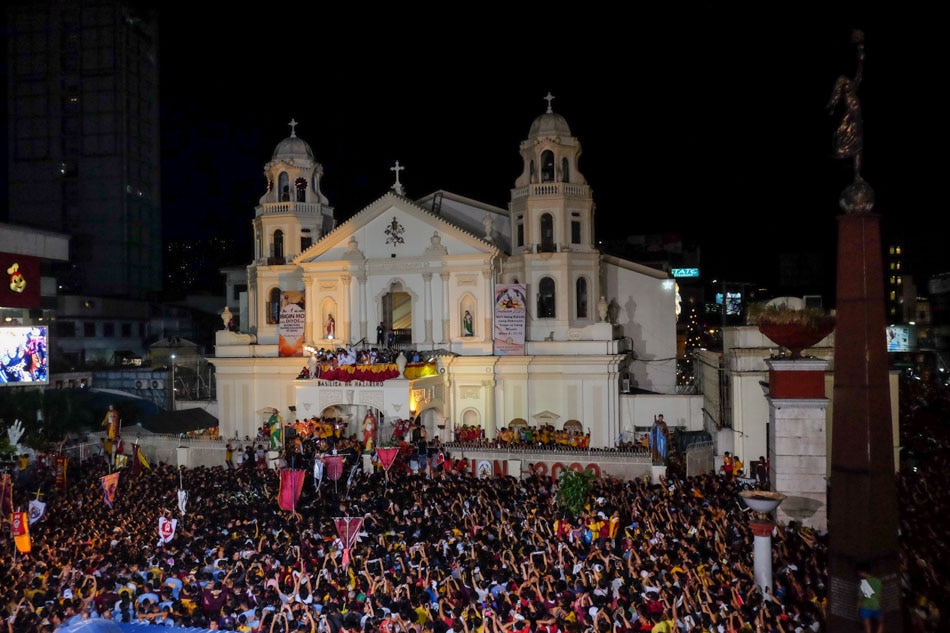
(273, 306)
(547, 233)
(283, 187)
(547, 166)
(581, 298)
(278, 244)
(565, 170)
(546, 298)
(301, 186)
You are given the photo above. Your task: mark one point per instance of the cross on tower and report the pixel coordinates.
(293, 126)
(397, 187)
(549, 98)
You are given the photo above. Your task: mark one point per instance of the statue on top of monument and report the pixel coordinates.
(849, 135)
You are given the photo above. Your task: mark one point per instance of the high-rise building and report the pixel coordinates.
(83, 139)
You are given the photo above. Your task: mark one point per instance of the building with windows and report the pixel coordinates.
(524, 318)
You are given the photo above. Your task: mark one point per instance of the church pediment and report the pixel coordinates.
(545, 417)
(393, 226)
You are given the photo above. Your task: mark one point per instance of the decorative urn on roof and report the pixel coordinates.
(792, 328)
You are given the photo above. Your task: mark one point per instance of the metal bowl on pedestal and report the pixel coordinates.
(762, 502)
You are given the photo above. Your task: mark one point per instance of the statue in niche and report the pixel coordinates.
(468, 325)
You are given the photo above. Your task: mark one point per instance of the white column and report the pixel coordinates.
(346, 335)
(427, 279)
(361, 302)
(762, 554)
(488, 391)
(446, 309)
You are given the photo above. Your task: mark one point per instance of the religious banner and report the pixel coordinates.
(182, 501)
(37, 510)
(510, 312)
(334, 464)
(6, 493)
(110, 484)
(166, 529)
(348, 528)
(59, 464)
(291, 483)
(387, 456)
(20, 528)
(291, 327)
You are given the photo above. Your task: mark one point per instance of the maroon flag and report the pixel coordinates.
(138, 460)
(348, 528)
(110, 484)
(334, 466)
(387, 456)
(6, 494)
(291, 483)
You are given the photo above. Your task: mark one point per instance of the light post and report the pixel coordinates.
(173, 383)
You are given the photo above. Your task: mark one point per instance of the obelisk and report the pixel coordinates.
(862, 489)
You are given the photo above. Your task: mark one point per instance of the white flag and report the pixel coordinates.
(182, 501)
(37, 510)
(318, 472)
(166, 529)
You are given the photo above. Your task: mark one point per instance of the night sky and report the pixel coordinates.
(695, 119)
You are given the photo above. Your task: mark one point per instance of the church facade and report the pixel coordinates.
(521, 316)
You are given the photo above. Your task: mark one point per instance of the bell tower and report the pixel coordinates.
(552, 226)
(292, 215)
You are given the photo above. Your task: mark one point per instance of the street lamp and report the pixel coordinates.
(173, 383)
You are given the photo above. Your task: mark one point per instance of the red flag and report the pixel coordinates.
(110, 483)
(6, 494)
(348, 528)
(291, 483)
(59, 463)
(20, 528)
(387, 455)
(334, 466)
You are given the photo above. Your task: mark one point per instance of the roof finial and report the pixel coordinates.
(293, 126)
(397, 187)
(549, 99)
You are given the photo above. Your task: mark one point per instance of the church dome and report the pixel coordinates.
(291, 148)
(549, 124)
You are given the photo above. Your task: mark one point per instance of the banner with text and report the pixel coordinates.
(510, 306)
(292, 319)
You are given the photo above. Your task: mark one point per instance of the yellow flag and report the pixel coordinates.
(21, 532)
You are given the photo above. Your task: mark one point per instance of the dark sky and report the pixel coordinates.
(706, 121)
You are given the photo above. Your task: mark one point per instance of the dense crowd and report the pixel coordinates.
(438, 551)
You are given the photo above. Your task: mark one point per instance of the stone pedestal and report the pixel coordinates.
(798, 445)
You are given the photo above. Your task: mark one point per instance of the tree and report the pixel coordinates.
(574, 488)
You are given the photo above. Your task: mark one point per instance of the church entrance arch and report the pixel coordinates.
(397, 314)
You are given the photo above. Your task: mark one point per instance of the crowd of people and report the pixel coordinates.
(438, 550)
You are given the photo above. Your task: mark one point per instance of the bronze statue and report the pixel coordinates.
(849, 135)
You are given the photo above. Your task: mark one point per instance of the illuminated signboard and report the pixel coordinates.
(23, 355)
(686, 272)
(21, 285)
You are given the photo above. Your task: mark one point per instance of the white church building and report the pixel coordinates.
(526, 319)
